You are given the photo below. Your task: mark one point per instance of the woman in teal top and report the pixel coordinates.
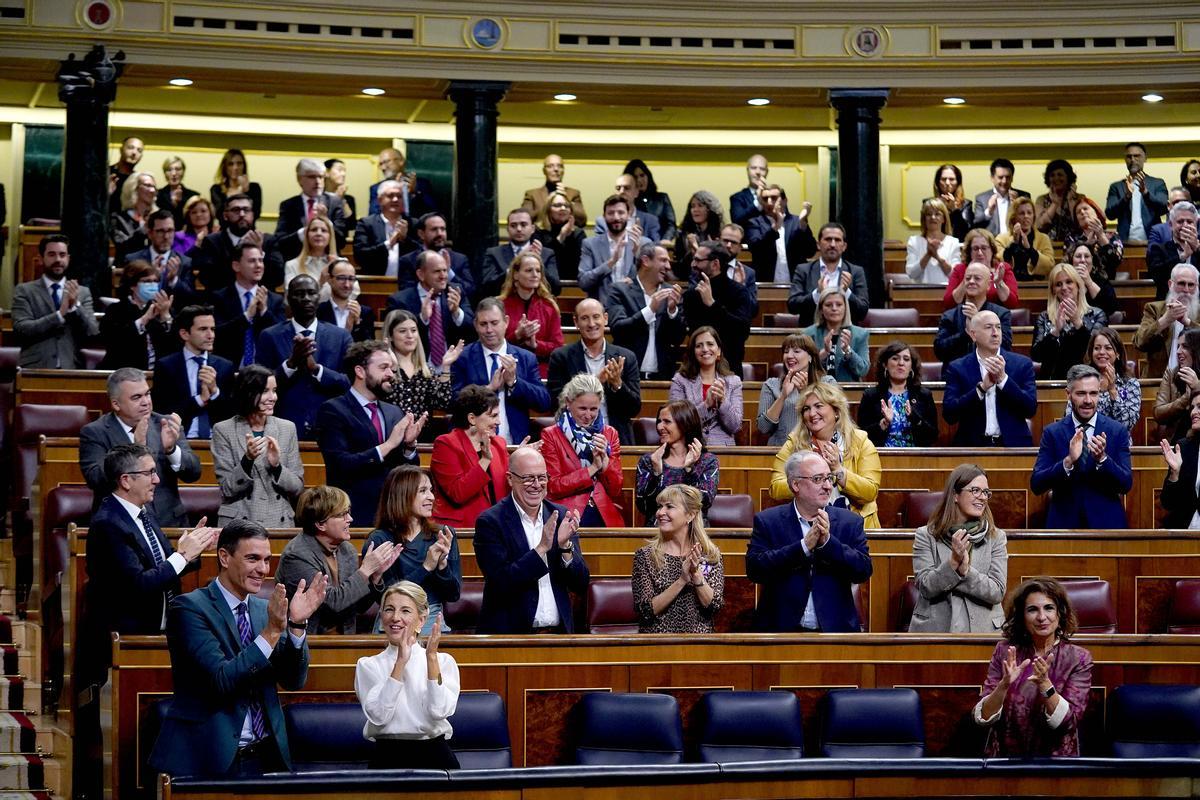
(842, 346)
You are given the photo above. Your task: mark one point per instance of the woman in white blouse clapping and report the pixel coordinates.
(408, 692)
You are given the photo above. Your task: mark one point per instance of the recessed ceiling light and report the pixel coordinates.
(373, 91)
(566, 97)
(758, 101)
(953, 101)
(180, 81)
(1152, 98)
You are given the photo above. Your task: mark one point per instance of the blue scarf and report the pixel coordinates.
(580, 436)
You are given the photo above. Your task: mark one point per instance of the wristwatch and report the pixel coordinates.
(569, 547)
(300, 626)
(1048, 693)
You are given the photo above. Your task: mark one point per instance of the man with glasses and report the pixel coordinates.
(806, 555)
(713, 298)
(778, 240)
(1084, 461)
(175, 269)
(313, 201)
(211, 259)
(952, 340)
(133, 420)
(528, 551)
(133, 573)
(732, 237)
(343, 308)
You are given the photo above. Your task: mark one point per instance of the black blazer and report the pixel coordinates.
(1161, 258)
(1179, 497)
(348, 441)
(952, 341)
(495, 268)
(511, 570)
(629, 328)
(567, 253)
(410, 300)
(211, 260)
(568, 361)
(364, 330)
(289, 230)
(173, 394)
(730, 314)
(124, 346)
(924, 418)
(232, 323)
(126, 591)
(164, 201)
(761, 237)
(370, 244)
(460, 272)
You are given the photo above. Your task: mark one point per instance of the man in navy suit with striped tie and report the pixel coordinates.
(194, 383)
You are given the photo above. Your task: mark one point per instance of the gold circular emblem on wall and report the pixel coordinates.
(867, 41)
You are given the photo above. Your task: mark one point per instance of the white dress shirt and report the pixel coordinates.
(992, 425)
(393, 262)
(193, 376)
(547, 610)
(298, 330)
(1001, 211)
(413, 707)
(457, 316)
(176, 560)
(501, 394)
(783, 272)
(1137, 226)
(830, 277)
(175, 459)
(594, 367)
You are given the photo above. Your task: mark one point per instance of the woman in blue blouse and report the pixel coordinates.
(842, 346)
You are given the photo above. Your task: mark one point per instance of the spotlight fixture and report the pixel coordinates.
(565, 97)
(373, 91)
(758, 101)
(954, 101)
(1152, 98)
(180, 81)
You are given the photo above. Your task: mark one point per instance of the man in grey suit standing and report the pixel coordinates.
(52, 316)
(610, 257)
(991, 207)
(1138, 200)
(132, 419)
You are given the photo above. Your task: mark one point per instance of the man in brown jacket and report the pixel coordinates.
(1164, 321)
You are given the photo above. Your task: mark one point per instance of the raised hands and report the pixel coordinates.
(379, 559)
(960, 552)
(1096, 446)
(1012, 670)
(610, 373)
(170, 426)
(818, 533)
(196, 541)
(704, 289)
(831, 453)
(694, 451)
(438, 554)
(1173, 457)
(451, 355)
(656, 458)
(716, 393)
(1075, 448)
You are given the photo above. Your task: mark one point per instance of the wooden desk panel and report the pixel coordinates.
(542, 678)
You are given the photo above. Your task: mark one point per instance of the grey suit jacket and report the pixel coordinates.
(47, 341)
(595, 277)
(351, 594)
(259, 496)
(97, 438)
(953, 603)
(982, 220)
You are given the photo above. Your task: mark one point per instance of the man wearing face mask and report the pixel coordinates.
(1084, 461)
(306, 355)
(211, 259)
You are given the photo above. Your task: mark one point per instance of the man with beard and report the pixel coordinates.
(610, 258)
(1182, 247)
(616, 367)
(718, 300)
(829, 270)
(646, 317)
(361, 437)
(52, 316)
(131, 155)
(211, 259)
(778, 239)
(431, 233)
(626, 186)
(1164, 321)
(416, 193)
(306, 355)
(1084, 460)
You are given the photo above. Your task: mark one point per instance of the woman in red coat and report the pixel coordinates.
(533, 318)
(470, 463)
(583, 456)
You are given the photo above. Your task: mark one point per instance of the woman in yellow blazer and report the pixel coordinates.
(826, 427)
(1030, 251)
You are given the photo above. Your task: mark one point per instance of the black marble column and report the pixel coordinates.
(88, 88)
(859, 207)
(475, 210)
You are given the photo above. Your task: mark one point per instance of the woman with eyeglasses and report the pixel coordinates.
(323, 545)
(827, 429)
(960, 560)
(980, 246)
(470, 463)
(256, 455)
(678, 577)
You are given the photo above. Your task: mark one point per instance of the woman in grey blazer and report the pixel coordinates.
(960, 560)
(256, 455)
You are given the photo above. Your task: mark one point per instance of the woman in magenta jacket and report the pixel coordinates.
(583, 456)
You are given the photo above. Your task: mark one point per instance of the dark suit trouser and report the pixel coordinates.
(413, 754)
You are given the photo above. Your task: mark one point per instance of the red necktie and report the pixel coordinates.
(376, 420)
(309, 216)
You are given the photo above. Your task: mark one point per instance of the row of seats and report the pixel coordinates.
(623, 729)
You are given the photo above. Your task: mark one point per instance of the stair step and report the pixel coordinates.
(8, 599)
(26, 635)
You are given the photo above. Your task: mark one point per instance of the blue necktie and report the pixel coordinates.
(203, 430)
(155, 547)
(248, 343)
(495, 365)
(56, 295)
(257, 726)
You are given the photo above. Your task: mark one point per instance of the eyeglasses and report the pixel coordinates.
(819, 479)
(531, 480)
(145, 473)
(342, 516)
(238, 210)
(975, 491)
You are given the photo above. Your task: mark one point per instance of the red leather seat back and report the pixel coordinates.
(610, 606)
(1093, 604)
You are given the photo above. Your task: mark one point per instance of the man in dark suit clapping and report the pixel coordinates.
(194, 383)
(313, 201)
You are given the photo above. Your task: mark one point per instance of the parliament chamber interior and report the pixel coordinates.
(981, 200)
